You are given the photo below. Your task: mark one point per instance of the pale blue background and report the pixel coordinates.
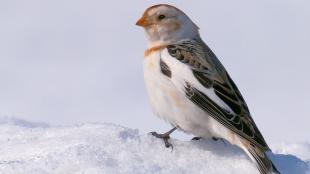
(74, 61)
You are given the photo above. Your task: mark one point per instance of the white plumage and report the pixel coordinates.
(189, 87)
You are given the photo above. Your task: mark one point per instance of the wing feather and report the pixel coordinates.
(208, 70)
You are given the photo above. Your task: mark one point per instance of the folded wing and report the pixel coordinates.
(210, 73)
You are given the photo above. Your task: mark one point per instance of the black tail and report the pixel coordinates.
(263, 163)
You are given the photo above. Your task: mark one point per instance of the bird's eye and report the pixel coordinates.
(161, 17)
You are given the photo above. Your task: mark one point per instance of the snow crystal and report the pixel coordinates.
(27, 148)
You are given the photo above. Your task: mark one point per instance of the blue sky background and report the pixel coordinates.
(75, 61)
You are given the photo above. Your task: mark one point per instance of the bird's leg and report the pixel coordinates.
(165, 137)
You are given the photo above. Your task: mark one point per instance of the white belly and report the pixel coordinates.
(171, 104)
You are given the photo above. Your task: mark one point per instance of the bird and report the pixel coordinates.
(190, 88)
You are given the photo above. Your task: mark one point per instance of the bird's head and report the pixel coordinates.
(165, 24)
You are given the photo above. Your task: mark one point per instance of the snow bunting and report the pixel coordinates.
(189, 87)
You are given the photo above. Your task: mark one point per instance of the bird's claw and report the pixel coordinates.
(157, 135)
(199, 138)
(196, 138)
(167, 144)
(164, 137)
(215, 138)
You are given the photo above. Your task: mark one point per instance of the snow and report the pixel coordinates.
(37, 148)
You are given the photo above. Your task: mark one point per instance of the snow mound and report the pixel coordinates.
(28, 148)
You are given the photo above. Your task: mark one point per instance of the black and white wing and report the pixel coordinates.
(207, 69)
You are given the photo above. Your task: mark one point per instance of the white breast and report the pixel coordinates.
(158, 87)
(168, 102)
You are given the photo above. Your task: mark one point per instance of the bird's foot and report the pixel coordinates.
(199, 138)
(215, 138)
(196, 138)
(165, 137)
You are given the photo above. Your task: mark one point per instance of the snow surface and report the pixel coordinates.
(36, 148)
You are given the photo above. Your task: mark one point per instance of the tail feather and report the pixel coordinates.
(263, 163)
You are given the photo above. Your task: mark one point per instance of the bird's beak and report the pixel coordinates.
(143, 22)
